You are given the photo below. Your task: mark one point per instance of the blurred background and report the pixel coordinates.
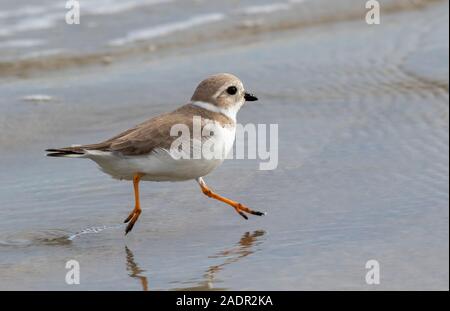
(363, 115)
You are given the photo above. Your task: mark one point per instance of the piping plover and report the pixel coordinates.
(145, 152)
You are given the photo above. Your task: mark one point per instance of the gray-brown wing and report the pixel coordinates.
(155, 133)
(152, 134)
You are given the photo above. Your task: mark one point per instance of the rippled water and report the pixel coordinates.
(363, 162)
(36, 36)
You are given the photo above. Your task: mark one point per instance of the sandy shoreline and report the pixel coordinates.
(234, 28)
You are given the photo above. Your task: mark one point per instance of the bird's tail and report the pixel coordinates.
(68, 152)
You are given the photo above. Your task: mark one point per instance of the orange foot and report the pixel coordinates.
(238, 207)
(134, 215)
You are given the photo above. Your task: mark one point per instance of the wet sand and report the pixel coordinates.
(363, 166)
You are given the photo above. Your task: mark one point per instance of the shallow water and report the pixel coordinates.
(35, 37)
(362, 173)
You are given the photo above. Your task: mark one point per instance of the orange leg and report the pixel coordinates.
(134, 215)
(238, 207)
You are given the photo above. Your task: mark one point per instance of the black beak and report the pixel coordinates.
(250, 97)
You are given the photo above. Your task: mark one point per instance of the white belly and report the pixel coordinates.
(161, 165)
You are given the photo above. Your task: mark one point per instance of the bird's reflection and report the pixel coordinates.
(245, 247)
(134, 270)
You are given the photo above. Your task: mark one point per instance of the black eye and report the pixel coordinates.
(232, 90)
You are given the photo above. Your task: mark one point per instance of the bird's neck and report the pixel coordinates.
(230, 112)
